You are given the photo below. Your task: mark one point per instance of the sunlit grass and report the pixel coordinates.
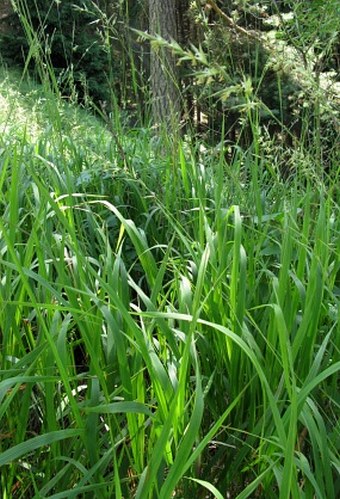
(168, 324)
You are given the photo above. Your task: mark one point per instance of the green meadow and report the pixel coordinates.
(169, 318)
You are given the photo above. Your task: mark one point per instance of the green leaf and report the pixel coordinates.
(31, 445)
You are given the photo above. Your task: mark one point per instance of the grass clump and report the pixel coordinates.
(168, 325)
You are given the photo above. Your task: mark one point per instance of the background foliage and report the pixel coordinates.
(277, 63)
(67, 34)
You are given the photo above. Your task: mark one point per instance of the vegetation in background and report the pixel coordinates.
(68, 38)
(281, 51)
(169, 316)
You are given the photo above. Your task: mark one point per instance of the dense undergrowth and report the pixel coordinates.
(169, 321)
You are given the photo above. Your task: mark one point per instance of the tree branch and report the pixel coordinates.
(231, 23)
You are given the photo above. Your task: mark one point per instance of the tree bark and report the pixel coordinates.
(163, 72)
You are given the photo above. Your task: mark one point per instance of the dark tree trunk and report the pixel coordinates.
(165, 93)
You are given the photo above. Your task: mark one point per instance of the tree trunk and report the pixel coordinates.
(163, 72)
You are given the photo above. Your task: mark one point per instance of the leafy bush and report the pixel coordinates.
(270, 82)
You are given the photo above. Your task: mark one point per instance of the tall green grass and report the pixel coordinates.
(169, 324)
